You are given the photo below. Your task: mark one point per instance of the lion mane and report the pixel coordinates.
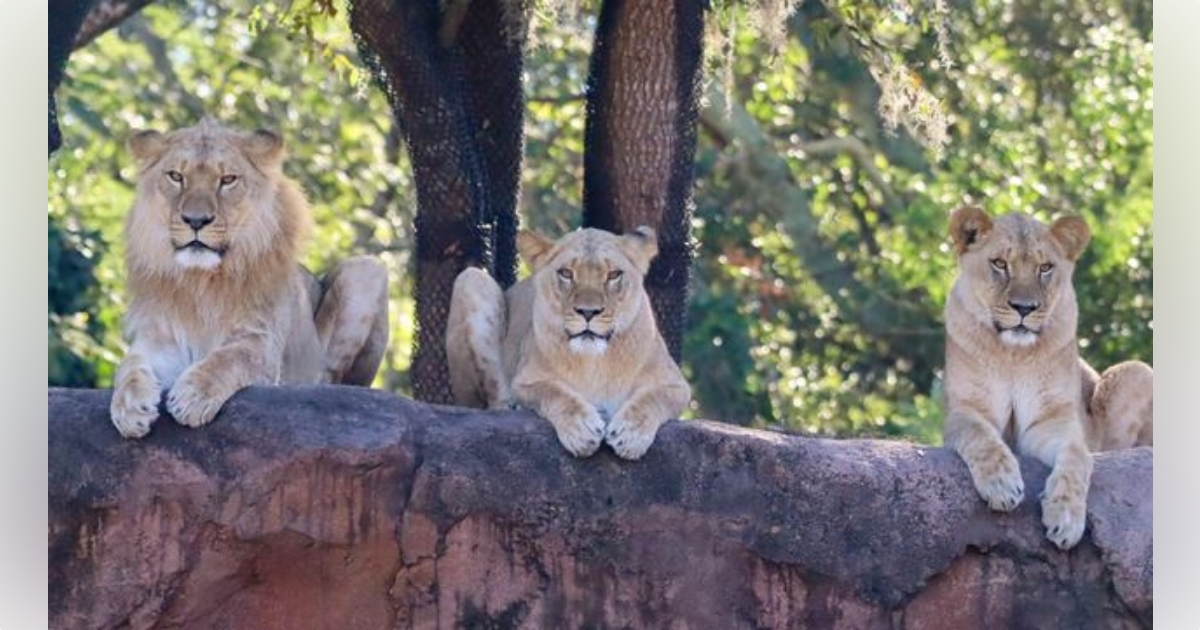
(217, 298)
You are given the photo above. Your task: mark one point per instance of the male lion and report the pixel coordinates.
(575, 342)
(1014, 375)
(218, 300)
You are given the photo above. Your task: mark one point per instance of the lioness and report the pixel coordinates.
(1014, 375)
(576, 342)
(218, 300)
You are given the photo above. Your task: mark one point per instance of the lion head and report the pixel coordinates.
(1015, 272)
(588, 284)
(212, 199)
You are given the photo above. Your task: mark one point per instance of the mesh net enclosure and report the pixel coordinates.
(451, 70)
(456, 95)
(640, 138)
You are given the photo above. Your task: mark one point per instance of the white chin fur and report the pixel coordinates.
(589, 346)
(197, 258)
(1018, 338)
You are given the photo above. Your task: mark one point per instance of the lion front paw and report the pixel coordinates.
(195, 399)
(134, 407)
(999, 481)
(582, 433)
(1064, 510)
(630, 439)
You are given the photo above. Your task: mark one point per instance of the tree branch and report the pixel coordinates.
(104, 15)
(862, 156)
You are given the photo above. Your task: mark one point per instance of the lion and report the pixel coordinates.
(217, 298)
(1014, 377)
(576, 342)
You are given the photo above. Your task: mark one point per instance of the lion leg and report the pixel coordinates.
(474, 329)
(1122, 406)
(249, 356)
(578, 425)
(993, 466)
(635, 425)
(352, 320)
(1056, 438)
(136, 393)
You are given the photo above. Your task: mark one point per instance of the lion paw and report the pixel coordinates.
(134, 407)
(581, 435)
(1064, 512)
(1064, 523)
(1001, 485)
(194, 401)
(629, 439)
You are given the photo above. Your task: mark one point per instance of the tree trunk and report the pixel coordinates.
(455, 91)
(641, 138)
(494, 64)
(65, 19)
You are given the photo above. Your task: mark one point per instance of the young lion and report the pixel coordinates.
(1014, 375)
(218, 300)
(576, 342)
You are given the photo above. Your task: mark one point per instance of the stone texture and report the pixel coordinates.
(343, 508)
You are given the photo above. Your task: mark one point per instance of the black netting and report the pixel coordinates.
(65, 18)
(459, 105)
(643, 91)
(493, 72)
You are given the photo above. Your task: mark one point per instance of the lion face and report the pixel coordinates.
(1017, 269)
(209, 186)
(589, 282)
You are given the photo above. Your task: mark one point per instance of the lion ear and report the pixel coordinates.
(147, 145)
(641, 245)
(1072, 233)
(968, 224)
(534, 248)
(265, 147)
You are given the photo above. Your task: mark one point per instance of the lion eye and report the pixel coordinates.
(615, 274)
(228, 180)
(175, 176)
(1046, 268)
(566, 274)
(999, 265)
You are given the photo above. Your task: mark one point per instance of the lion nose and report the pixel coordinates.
(197, 222)
(589, 313)
(1024, 308)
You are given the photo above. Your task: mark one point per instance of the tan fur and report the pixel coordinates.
(234, 308)
(531, 345)
(1017, 380)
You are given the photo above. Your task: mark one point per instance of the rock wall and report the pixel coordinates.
(344, 508)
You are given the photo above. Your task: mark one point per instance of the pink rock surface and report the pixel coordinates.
(343, 508)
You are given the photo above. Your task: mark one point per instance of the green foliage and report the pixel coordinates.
(71, 290)
(884, 117)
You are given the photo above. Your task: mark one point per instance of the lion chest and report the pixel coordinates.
(174, 337)
(1018, 399)
(178, 350)
(604, 387)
